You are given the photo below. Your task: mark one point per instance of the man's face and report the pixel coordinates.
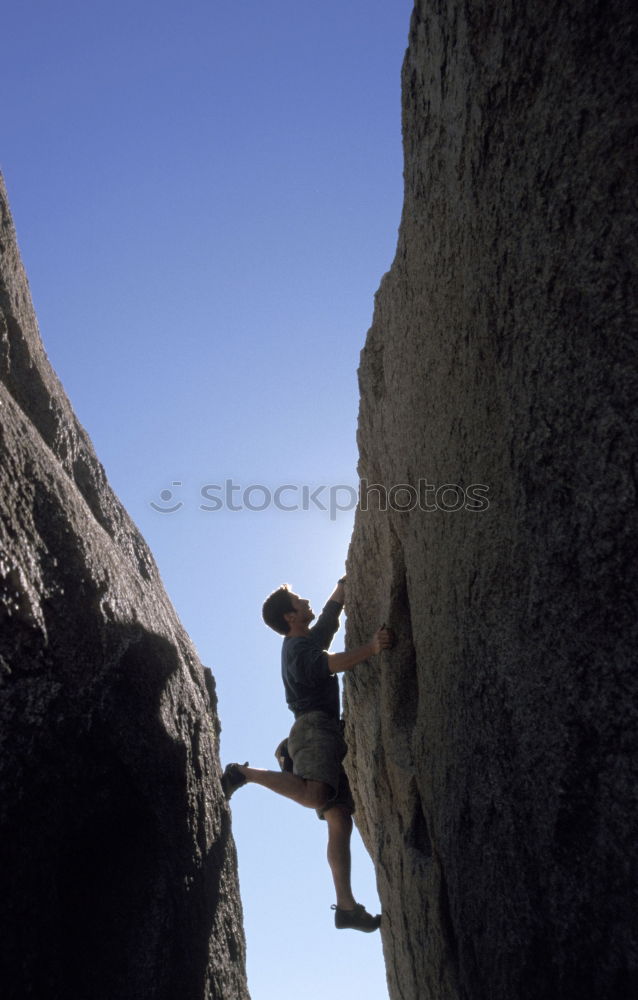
(303, 611)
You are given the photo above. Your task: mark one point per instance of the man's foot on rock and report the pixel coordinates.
(358, 919)
(232, 778)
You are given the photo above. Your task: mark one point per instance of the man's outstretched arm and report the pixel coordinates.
(327, 623)
(339, 594)
(340, 662)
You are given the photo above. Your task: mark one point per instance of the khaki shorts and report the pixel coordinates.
(317, 749)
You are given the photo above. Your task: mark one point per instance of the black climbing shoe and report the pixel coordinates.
(358, 919)
(232, 779)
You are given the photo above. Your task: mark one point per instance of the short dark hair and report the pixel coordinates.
(275, 607)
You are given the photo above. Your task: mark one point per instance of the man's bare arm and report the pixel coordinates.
(339, 592)
(340, 662)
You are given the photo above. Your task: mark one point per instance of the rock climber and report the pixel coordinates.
(311, 759)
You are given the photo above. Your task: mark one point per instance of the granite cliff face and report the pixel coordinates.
(493, 752)
(118, 876)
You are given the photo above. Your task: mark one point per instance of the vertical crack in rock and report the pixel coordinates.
(492, 752)
(118, 876)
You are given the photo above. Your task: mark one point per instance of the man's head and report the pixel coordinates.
(283, 610)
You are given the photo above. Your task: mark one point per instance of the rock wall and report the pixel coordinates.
(118, 876)
(493, 752)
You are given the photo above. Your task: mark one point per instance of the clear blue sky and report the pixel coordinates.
(206, 196)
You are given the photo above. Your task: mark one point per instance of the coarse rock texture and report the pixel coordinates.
(492, 752)
(118, 878)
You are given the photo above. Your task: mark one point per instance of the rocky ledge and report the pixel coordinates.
(493, 751)
(118, 876)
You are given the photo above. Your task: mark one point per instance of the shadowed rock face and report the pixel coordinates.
(118, 876)
(493, 751)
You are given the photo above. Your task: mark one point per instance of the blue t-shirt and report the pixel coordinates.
(310, 687)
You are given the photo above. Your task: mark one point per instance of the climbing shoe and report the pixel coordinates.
(358, 919)
(232, 779)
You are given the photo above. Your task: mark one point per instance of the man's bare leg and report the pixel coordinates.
(312, 794)
(339, 823)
